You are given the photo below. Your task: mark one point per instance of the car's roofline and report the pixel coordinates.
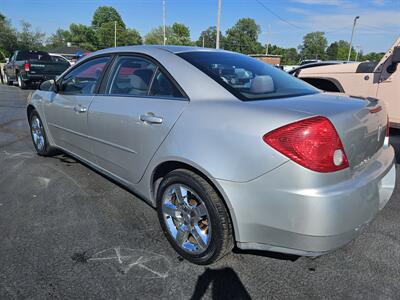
(149, 48)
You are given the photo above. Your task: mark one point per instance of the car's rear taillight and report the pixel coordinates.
(312, 143)
(27, 67)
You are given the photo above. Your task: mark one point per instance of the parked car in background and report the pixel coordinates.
(288, 68)
(309, 61)
(230, 150)
(28, 67)
(367, 79)
(60, 59)
(295, 71)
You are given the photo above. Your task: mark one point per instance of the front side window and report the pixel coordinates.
(247, 78)
(83, 79)
(131, 76)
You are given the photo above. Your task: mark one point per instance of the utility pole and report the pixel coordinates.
(115, 33)
(358, 50)
(352, 36)
(267, 37)
(164, 33)
(218, 24)
(203, 41)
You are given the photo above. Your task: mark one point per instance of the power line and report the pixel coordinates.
(277, 16)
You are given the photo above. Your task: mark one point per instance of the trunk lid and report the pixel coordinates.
(360, 122)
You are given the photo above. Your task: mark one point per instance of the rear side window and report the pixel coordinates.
(163, 87)
(83, 79)
(59, 60)
(247, 78)
(33, 55)
(131, 76)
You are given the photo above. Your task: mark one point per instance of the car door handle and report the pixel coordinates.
(80, 109)
(151, 118)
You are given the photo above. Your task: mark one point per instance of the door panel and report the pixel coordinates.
(126, 124)
(66, 113)
(67, 125)
(123, 141)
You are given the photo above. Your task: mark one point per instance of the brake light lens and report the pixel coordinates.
(27, 67)
(313, 143)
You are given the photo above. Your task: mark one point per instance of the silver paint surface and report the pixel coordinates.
(274, 203)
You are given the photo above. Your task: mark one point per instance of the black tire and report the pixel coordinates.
(22, 84)
(46, 150)
(221, 241)
(7, 80)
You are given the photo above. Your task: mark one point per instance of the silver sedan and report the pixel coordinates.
(229, 150)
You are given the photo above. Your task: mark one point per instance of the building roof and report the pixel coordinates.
(67, 50)
(265, 55)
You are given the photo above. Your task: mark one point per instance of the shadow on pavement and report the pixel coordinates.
(225, 284)
(269, 254)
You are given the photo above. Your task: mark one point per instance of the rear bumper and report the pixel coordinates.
(294, 210)
(36, 77)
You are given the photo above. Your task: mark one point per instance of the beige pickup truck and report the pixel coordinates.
(367, 79)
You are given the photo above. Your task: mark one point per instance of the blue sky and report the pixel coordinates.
(379, 23)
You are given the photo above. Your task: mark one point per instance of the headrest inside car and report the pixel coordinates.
(137, 83)
(262, 85)
(228, 72)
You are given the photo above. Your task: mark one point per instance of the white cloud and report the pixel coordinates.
(296, 10)
(369, 19)
(320, 2)
(378, 2)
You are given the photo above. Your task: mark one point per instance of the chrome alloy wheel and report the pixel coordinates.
(37, 133)
(187, 218)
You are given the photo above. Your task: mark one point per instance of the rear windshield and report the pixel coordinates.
(247, 78)
(33, 55)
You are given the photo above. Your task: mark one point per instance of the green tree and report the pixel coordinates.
(313, 46)
(243, 37)
(83, 36)
(105, 36)
(29, 39)
(339, 50)
(155, 36)
(290, 57)
(106, 14)
(58, 39)
(131, 37)
(104, 26)
(210, 38)
(177, 34)
(180, 35)
(373, 56)
(8, 38)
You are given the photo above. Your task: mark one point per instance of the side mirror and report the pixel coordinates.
(49, 86)
(396, 55)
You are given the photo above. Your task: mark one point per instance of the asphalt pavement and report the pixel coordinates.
(68, 232)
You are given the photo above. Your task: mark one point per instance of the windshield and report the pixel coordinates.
(33, 55)
(246, 77)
